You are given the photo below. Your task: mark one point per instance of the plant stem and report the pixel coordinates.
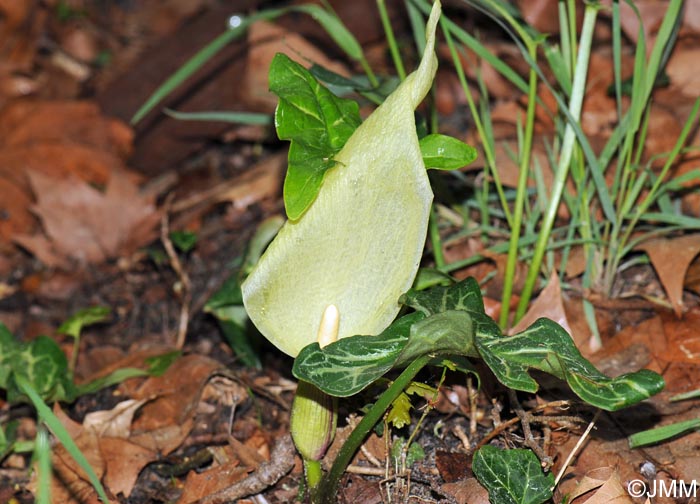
(567, 148)
(313, 473)
(327, 490)
(391, 39)
(435, 240)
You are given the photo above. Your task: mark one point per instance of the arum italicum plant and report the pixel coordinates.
(358, 200)
(355, 248)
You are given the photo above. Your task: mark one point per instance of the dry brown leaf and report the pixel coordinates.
(124, 461)
(64, 122)
(175, 394)
(163, 440)
(548, 304)
(69, 483)
(114, 423)
(199, 485)
(691, 18)
(267, 39)
(646, 333)
(683, 337)
(671, 258)
(612, 491)
(651, 13)
(541, 14)
(84, 225)
(468, 491)
(682, 70)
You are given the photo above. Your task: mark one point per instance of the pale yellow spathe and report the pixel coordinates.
(359, 244)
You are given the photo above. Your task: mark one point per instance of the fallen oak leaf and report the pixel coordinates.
(83, 225)
(671, 257)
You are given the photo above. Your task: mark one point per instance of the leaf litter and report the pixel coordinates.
(79, 175)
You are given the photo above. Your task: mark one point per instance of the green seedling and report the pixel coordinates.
(74, 326)
(184, 241)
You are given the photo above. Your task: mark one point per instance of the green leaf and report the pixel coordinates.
(250, 118)
(512, 476)
(445, 152)
(465, 295)
(546, 346)
(449, 325)
(400, 413)
(227, 306)
(229, 294)
(184, 241)
(240, 343)
(8, 349)
(347, 366)
(414, 453)
(8, 437)
(44, 366)
(55, 425)
(159, 364)
(653, 436)
(317, 123)
(87, 316)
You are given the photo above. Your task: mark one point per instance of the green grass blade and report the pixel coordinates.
(335, 29)
(664, 433)
(565, 157)
(391, 40)
(55, 425)
(465, 38)
(250, 118)
(197, 61)
(42, 455)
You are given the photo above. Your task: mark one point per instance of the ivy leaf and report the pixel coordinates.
(445, 152)
(512, 476)
(399, 415)
(317, 123)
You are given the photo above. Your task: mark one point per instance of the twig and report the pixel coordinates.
(576, 449)
(529, 439)
(366, 471)
(280, 463)
(184, 292)
(462, 436)
(509, 423)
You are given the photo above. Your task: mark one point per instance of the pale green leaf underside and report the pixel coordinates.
(359, 244)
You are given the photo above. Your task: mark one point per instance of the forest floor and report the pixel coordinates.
(89, 204)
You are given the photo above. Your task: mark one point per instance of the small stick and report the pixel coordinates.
(280, 463)
(185, 293)
(576, 449)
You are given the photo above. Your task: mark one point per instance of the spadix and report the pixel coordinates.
(359, 244)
